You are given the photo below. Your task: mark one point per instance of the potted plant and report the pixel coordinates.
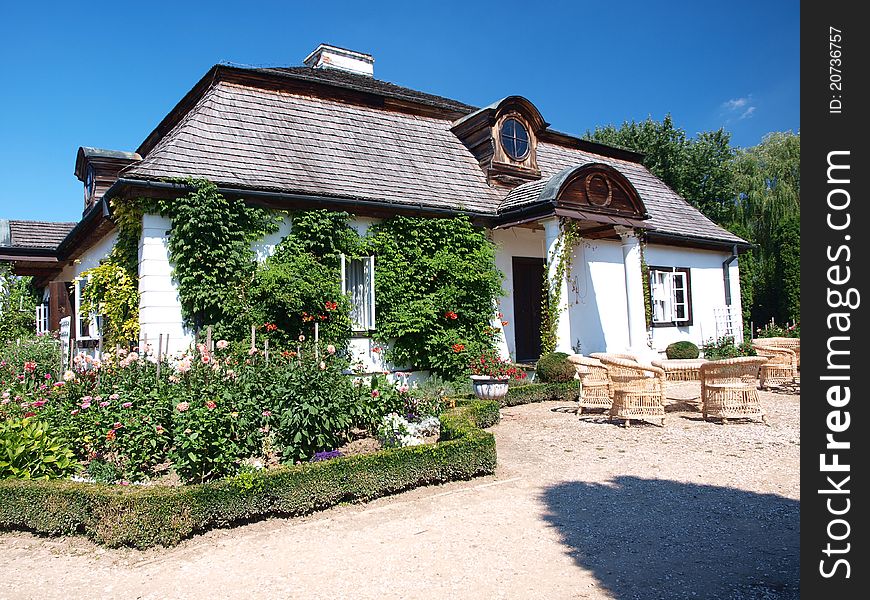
(491, 374)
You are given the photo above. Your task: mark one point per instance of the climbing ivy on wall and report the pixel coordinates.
(568, 238)
(645, 283)
(436, 288)
(113, 286)
(210, 250)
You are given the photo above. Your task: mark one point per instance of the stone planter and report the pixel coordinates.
(489, 388)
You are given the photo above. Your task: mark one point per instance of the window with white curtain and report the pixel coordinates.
(358, 280)
(42, 323)
(670, 296)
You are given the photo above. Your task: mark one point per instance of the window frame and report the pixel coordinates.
(43, 323)
(371, 324)
(685, 274)
(94, 322)
(501, 138)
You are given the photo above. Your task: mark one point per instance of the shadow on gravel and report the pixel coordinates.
(654, 538)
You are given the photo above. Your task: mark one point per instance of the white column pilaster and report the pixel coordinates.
(553, 240)
(633, 289)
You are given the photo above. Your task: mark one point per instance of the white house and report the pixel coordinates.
(329, 134)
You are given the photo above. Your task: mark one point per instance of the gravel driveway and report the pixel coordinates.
(576, 510)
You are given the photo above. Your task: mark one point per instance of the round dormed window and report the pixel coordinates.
(514, 139)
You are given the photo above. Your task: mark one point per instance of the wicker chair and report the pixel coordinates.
(638, 390)
(782, 342)
(781, 366)
(620, 355)
(594, 383)
(729, 388)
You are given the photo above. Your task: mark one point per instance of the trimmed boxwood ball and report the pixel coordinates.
(682, 349)
(554, 367)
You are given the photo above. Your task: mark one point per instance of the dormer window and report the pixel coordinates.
(514, 139)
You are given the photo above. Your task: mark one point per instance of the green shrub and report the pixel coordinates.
(682, 350)
(29, 449)
(554, 367)
(149, 516)
(724, 347)
(532, 393)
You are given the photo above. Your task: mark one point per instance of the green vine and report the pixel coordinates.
(210, 249)
(645, 283)
(436, 287)
(113, 286)
(569, 236)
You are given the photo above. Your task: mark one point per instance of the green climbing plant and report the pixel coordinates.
(568, 238)
(113, 286)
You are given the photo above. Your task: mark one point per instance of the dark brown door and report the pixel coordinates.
(528, 298)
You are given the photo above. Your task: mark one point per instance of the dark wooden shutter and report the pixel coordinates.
(59, 305)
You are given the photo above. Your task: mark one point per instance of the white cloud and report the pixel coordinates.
(748, 112)
(735, 103)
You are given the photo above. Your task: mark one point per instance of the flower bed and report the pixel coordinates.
(149, 516)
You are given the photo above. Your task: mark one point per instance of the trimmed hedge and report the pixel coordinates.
(535, 392)
(682, 350)
(554, 367)
(148, 516)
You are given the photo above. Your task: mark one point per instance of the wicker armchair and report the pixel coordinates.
(638, 390)
(729, 388)
(782, 342)
(620, 355)
(594, 383)
(781, 366)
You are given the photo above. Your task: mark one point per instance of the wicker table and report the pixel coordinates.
(681, 369)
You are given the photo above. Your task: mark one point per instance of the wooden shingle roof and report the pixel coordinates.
(250, 135)
(33, 234)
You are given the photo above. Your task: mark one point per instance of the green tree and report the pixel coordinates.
(767, 206)
(18, 300)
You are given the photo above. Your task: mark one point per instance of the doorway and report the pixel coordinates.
(528, 277)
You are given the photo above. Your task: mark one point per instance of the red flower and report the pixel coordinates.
(30, 366)
(270, 326)
(376, 350)
(458, 347)
(29, 414)
(451, 315)
(330, 305)
(111, 435)
(504, 323)
(210, 405)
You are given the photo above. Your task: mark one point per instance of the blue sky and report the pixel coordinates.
(104, 74)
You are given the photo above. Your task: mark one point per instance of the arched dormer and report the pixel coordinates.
(504, 139)
(594, 187)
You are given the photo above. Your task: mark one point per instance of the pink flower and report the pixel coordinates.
(159, 429)
(322, 365)
(114, 397)
(69, 375)
(331, 349)
(375, 393)
(58, 384)
(267, 413)
(5, 401)
(38, 404)
(222, 344)
(182, 406)
(30, 366)
(205, 359)
(133, 357)
(211, 405)
(104, 404)
(75, 411)
(117, 426)
(184, 366)
(252, 352)
(85, 405)
(127, 405)
(48, 375)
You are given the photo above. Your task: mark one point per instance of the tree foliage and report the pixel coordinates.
(18, 300)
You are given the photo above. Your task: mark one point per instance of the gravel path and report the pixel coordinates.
(576, 510)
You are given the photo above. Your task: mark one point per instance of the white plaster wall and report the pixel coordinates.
(516, 241)
(265, 247)
(90, 258)
(597, 306)
(707, 289)
(159, 305)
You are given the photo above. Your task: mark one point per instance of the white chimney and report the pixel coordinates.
(333, 57)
